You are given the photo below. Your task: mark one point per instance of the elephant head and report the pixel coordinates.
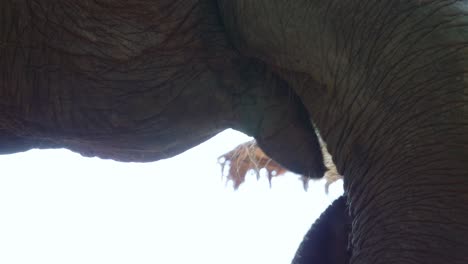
(383, 82)
(142, 82)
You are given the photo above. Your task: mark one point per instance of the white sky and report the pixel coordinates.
(58, 207)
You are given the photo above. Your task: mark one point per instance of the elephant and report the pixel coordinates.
(382, 83)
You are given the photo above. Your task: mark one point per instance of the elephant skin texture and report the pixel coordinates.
(383, 82)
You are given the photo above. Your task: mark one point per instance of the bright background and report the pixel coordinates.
(58, 207)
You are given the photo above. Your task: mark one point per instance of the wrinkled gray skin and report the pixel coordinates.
(382, 81)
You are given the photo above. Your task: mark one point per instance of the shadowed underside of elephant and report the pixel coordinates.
(384, 82)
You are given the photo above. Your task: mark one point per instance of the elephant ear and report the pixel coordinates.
(326, 242)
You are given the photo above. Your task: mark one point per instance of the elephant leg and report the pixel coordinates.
(326, 242)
